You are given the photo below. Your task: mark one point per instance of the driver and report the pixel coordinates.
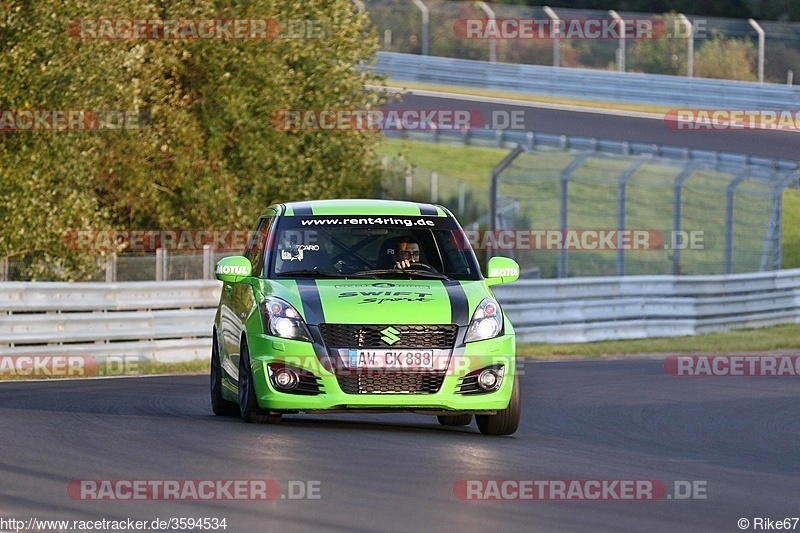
(406, 252)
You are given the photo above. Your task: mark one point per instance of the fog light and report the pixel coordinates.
(285, 379)
(489, 379)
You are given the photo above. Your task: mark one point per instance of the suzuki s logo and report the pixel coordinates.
(390, 335)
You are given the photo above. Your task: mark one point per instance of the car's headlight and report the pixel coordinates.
(283, 320)
(487, 321)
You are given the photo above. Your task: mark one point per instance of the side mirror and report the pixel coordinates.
(232, 269)
(501, 270)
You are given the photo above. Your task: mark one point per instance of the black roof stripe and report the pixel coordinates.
(428, 210)
(302, 209)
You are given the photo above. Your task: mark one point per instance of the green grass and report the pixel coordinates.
(469, 163)
(784, 337)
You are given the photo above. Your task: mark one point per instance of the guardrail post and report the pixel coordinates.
(161, 264)
(111, 268)
(689, 45)
(426, 22)
(555, 33)
(462, 193)
(563, 194)
(409, 181)
(621, 49)
(730, 194)
(493, 177)
(434, 187)
(677, 214)
(622, 189)
(208, 262)
(761, 35)
(492, 42)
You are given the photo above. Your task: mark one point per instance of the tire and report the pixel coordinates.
(506, 421)
(248, 405)
(455, 420)
(219, 405)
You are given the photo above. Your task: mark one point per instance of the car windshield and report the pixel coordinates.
(371, 246)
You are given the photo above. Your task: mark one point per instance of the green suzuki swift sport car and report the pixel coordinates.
(364, 306)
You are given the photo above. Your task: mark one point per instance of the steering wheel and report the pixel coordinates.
(421, 266)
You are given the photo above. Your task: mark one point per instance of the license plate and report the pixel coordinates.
(391, 359)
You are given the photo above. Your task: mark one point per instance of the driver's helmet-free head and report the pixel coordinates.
(397, 249)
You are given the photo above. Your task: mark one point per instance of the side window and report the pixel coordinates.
(256, 246)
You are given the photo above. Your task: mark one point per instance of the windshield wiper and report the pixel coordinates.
(310, 274)
(397, 271)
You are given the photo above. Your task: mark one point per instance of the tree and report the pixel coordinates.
(205, 153)
(664, 55)
(724, 58)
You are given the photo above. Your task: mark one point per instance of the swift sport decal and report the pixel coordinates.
(378, 297)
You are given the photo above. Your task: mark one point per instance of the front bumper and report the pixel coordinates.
(265, 349)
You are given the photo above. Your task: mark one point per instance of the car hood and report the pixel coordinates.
(375, 301)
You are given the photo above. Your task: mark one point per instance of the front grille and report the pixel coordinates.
(394, 382)
(355, 335)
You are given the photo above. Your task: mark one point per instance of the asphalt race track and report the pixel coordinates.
(606, 420)
(776, 144)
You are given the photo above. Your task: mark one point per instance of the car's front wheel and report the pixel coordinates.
(219, 405)
(248, 405)
(506, 421)
(455, 420)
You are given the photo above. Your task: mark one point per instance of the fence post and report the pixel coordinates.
(730, 195)
(426, 22)
(761, 35)
(462, 193)
(621, 49)
(677, 214)
(555, 33)
(689, 45)
(4, 269)
(622, 189)
(434, 187)
(492, 42)
(409, 181)
(563, 205)
(494, 175)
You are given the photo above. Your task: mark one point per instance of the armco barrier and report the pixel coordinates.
(637, 307)
(589, 84)
(172, 321)
(160, 321)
